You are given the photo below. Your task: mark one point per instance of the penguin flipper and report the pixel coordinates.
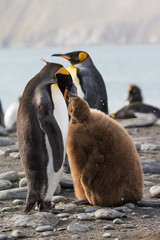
(50, 126)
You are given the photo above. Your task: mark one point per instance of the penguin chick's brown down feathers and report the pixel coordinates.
(104, 163)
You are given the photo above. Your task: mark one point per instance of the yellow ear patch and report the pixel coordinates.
(130, 88)
(112, 115)
(82, 56)
(63, 71)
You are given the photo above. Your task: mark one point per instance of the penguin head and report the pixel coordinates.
(74, 57)
(78, 108)
(64, 80)
(134, 94)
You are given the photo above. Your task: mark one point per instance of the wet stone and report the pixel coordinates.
(107, 235)
(63, 215)
(129, 226)
(3, 237)
(21, 174)
(149, 203)
(6, 209)
(23, 182)
(18, 234)
(34, 220)
(75, 236)
(149, 183)
(109, 227)
(117, 221)
(150, 147)
(5, 184)
(107, 214)
(18, 202)
(14, 193)
(47, 234)
(84, 217)
(66, 181)
(155, 176)
(130, 205)
(5, 142)
(155, 191)
(11, 176)
(44, 228)
(78, 228)
(65, 206)
(15, 155)
(57, 199)
(91, 209)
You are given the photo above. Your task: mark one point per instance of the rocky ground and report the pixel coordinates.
(69, 220)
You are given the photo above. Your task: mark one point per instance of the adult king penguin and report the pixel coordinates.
(88, 80)
(42, 126)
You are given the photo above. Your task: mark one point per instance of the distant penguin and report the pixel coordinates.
(134, 94)
(135, 108)
(104, 162)
(42, 126)
(10, 116)
(89, 82)
(1, 115)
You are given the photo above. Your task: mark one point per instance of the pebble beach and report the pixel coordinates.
(68, 219)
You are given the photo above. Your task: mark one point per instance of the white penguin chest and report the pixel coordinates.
(61, 114)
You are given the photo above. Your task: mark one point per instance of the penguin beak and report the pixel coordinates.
(61, 55)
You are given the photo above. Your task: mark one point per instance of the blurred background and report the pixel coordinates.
(121, 36)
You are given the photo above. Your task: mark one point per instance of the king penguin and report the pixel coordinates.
(134, 94)
(135, 108)
(42, 127)
(89, 82)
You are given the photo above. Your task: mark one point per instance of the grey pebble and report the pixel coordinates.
(117, 221)
(138, 145)
(57, 199)
(78, 228)
(6, 209)
(47, 234)
(75, 236)
(3, 131)
(44, 228)
(84, 217)
(21, 174)
(66, 181)
(5, 142)
(90, 209)
(18, 202)
(13, 193)
(15, 155)
(3, 237)
(149, 183)
(11, 176)
(150, 147)
(148, 203)
(23, 182)
(146, 216)
(34, 220)
(130, 205)
(155, 176)
(65, 206)
(18, 234)
(155, 191)
(107, 214)
(109, 227)
(63, 215)
(129, 226)
(5, 184)
(107, 235)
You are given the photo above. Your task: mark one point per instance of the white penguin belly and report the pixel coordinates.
(61, 115)
(73, 72)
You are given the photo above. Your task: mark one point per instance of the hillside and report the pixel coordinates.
(65, 22)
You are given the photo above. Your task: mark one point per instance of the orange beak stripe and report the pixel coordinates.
(65, 94)
(64, 56)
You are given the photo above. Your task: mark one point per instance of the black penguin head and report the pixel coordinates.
(64, 80)
(134, 94)
(74, 57)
